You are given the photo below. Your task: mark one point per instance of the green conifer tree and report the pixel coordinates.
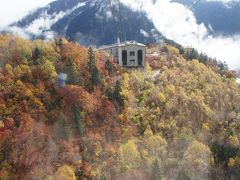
(71, 70)
(64, 128)
(91, 59)
(77, 120)
(95, 79)
(36, 56)
(117, 93)
(109, 67)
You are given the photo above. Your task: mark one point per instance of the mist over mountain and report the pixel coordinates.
(220, 17)
(176, 22)
(89, 22)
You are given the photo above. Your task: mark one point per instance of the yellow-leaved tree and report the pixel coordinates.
(197, 161)
(64, 173)
(129, 155)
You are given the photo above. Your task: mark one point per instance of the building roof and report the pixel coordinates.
(121, 44)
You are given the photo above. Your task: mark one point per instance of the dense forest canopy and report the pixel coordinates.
(179, 118)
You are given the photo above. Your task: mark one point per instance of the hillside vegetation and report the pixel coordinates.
(179, 118)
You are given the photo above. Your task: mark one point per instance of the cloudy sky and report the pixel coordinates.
(186, 31)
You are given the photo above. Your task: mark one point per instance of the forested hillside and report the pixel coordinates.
(179, 118)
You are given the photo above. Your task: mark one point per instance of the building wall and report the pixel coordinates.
(114, 51)
(132, 54)
(132, 59)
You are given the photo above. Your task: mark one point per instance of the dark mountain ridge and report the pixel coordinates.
(90, 22)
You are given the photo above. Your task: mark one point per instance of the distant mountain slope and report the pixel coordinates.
(221, 18)
(89, 22)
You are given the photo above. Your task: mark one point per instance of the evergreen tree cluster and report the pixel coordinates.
(95, 78)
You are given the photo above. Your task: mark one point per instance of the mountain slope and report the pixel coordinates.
(90, 22)
(221, 18)
(133, 124)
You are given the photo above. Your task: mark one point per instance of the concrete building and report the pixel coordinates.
(127, 54)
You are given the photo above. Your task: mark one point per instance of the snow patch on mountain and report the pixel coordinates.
(42, 25)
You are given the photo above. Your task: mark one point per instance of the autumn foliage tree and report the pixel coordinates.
(176, 119)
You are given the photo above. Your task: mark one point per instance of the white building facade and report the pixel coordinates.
(127, 54)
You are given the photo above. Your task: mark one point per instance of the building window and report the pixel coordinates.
(140, 57)
(124, 57)
(132, 53)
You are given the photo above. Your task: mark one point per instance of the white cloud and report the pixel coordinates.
(186, 31)
(42, 25)
(144, 33)
(109, 14)
(13, 10)
(19, 32)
